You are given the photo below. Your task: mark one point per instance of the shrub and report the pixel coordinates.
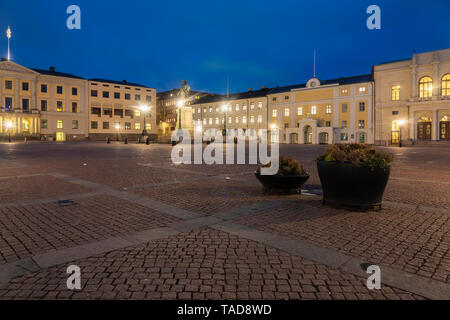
(288, 167)
(357, 154)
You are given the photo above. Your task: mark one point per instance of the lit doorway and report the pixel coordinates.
(307, 134)
(60, 136)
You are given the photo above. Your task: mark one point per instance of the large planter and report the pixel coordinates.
(350, 186)
(282, 184)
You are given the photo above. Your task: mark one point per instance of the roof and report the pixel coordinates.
(234, 96)
(339, 81)
(162, 94)
(123, 83)
(57, 74)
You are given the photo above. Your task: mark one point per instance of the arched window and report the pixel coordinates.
(425, 87)
(445, 85)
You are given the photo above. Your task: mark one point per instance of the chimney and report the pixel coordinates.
(4, 59)
(52, 69)
(251, 89)
(124, 81)
(263, 87)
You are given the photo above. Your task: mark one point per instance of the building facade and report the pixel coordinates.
(413, 99)
(245, 110)
(121, 110)
(323, 112)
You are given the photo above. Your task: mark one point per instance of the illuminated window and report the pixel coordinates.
(286, 112)
(127, 126)
(210, 109)
(237, 119)
(137, 126)
(237, 107)
(395, 126)
(445, 85)
(313, 110)
(198, 110)
(259, 119)
(362, 89)
(148, 126)
(210, 121)
(244, 119)
(137, 113)
(344, 91)
(244, 107)
(229, 119)
(328, 109)
(274, 113)
(299, 111)
(425, 87)
(59, 106)
(252, 119)
(204, 121)
(252, 106)
(361, 124)
(395, 93)
(217, 109)
(260, 105)
(59, 124)
(217, 120)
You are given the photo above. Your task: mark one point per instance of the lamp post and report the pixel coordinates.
(224, 109)
(144, 109)
(180, 104)
(400, 124)
(117, 126)
(9, 126)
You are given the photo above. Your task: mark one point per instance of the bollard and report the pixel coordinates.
(147, 142)
(107, 140)
(125, 141)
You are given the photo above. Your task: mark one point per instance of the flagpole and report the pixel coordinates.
(8, 34)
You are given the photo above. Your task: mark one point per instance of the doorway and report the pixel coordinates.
(323, 138)
(307, 134)
(60, 136)
(424, 131)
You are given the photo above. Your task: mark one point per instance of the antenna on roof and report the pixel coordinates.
(228, 86)
(314, 63)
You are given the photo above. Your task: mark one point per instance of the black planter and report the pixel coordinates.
(282, 184)
(350, 186)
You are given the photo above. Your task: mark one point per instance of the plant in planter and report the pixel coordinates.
(354, 176)
(289, 178)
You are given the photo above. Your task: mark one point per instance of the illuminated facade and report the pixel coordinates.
(117, 110)
(413, 99)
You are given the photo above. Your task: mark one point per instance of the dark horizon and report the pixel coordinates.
(159, 44)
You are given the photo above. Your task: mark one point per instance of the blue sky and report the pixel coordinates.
(254, 43)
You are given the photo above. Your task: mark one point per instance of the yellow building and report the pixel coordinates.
(413, 99)
(42, 103)
(118, 110)
(245, 110)
(323, 112)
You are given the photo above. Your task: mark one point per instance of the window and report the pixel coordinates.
(74, 91)
(395, 113)
(237, 107)
(244, 107)
(204, 121)
(59, 124)
(94, 125)
(328, 124)
(286, 97)
(344, 91)
(361, 124)
(210, 121)
(25, 86)
(116, 95)
(244, 119)
(148, 126)
(395, 93)
(344, 124)
(97, 111)
(137, 113)
(74, 124)
(274, 113)
(137, 97)
(237, 119)
(362, 137)
(445, 85)
(25, 104)
(59, 106)
(259, 119)
(8, 103)
(137, 126)
(344, 107)
(252, 106)
(74, 107)
(362, 89)
(299, 111)
(425, 87)
(313, 110)
(148, 98)
(127, 126)
(127, 96)
(94, 93)
(107, 112)
(274, 99)
(105, 125)
(43, 105)
(217, 120)
(252, 119)
(59, 89)
(395, 126)
(286, 112)
(210, 109)
(198, 110)
(259, 105)
(44, 124)
(8, 84)
(344, 136)
(43, 88)
(362, 106)
(105, 94)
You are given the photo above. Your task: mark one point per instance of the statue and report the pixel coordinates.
(184, 91)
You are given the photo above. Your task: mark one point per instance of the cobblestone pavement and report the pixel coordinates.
(142, 227)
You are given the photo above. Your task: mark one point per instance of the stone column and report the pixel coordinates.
(412, 125)
(435, 126)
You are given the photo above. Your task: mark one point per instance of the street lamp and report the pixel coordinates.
(9, 126)
(400, 124)
(180, 103)
(144, 109)
(224, 109)
(117, 126)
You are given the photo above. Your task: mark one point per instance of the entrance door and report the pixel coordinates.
(395, 137)
(323, 138)
(424, 130)
(444, 130)
(60, 136)
(293, 138)
(307, 133)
